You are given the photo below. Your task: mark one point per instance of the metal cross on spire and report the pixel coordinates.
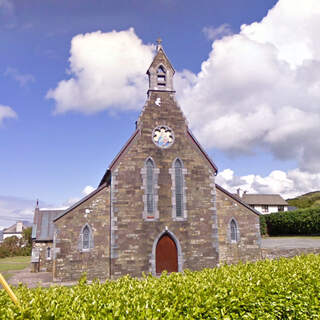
(159, 41)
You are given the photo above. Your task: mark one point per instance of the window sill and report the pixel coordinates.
(150, 219)
(179, 219)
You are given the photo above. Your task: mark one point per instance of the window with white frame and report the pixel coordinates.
(150, 187)
(178, 172)
(179, 187)
(86, 239)
(265, 208)
(149, 174)
(233, 231)
(48, 253)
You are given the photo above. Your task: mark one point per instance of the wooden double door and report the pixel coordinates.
(166, 255)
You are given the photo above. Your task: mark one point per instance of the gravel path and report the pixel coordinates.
(290, 243)
(31, 279)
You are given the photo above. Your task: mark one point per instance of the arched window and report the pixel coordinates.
(149, 175)
(161, 76)
(48, 253)
(86, 238)
(233, 231)
(178, 187)
(150, 182)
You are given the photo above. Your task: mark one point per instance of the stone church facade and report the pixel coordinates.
(157, 206)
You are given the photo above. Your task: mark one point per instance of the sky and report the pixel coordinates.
(73, 82)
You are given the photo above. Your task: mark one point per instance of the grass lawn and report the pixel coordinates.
(8, 266)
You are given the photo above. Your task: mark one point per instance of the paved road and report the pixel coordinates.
(290, 243)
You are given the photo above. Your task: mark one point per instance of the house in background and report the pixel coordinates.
(15, 230)
(265, 203)
(42, 238)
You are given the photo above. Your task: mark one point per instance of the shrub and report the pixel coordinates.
(298, 222)
(263, 225)
(13, 246)
(278, 289)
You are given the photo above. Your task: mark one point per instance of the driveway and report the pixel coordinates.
(290, 243)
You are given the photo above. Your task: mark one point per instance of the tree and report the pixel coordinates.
(26, 236)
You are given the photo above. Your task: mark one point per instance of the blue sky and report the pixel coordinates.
(245, 90)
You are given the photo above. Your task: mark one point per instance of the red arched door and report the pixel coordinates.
(166, 255)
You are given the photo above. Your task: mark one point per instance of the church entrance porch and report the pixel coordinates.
(166, 255)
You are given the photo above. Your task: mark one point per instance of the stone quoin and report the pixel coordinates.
(157, 206)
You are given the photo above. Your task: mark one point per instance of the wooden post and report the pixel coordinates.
(8, 289)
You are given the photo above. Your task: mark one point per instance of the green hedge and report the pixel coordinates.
(298, 222)
(278, 289)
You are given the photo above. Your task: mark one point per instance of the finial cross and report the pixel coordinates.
(159, 40)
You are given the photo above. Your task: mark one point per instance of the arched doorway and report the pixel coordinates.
(166, 255)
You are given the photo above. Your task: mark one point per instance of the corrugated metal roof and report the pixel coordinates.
(44, 224)
(264, 199)
(34, 231)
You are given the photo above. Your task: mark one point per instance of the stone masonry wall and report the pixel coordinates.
(45, 262)
(135, 238)
(248, 246)
(71, 262)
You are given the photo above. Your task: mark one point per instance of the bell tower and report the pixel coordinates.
(160, 72)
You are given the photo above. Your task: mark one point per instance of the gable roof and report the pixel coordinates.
(238, 199)
(202, 150)
(42, 229)
(80, 202)
(106, 176)
(13, 229)
(156, 58)
(264, 199)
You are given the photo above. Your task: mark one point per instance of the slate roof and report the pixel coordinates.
(264, 199)
(238, 199)
(42, 229)
(13, 229)
(63, 212)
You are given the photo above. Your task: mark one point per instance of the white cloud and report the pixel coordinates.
(70, 202)
(13, 209)
(289, 184)
(261, 88)
(22, 79)
(214, 33)
(6, 112)
(87, 190)
(107, 72)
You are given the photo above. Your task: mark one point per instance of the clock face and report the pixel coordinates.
(163, 137)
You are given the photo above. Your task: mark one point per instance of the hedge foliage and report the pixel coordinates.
(298, 222)
(278, 289)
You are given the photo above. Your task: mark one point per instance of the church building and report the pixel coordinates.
(157, 206)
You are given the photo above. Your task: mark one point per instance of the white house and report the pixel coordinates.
(15, 230)
(266, 203)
